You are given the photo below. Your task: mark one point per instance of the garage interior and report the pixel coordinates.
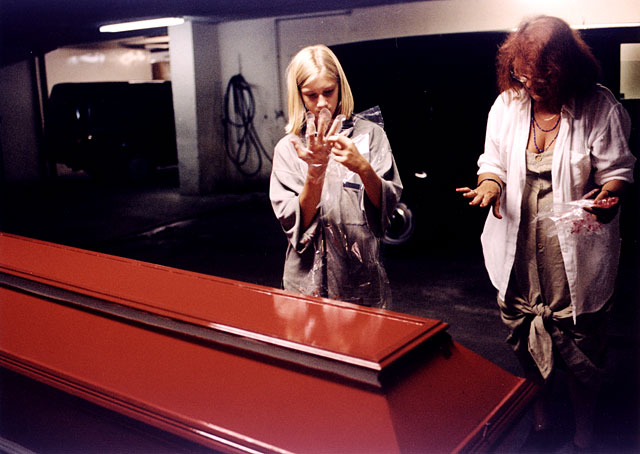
(421, 62)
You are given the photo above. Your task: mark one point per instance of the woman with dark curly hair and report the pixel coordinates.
(555, 165)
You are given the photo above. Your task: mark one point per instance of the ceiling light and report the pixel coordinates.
(141, 24)
(616, 25)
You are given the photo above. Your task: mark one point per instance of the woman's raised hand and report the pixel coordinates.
(318, 148)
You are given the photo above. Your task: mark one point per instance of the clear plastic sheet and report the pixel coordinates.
(338, 176)
(571, 218)
(373, 114)
(344, 264)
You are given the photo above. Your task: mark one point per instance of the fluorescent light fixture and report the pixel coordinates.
(596, 26)
(616, 25)
(141, 24)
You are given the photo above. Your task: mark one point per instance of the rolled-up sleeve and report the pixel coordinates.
(491, 160)
(287, 180)
(384, 165)
(611, 158)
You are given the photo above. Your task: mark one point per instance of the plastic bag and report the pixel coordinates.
(571, 217)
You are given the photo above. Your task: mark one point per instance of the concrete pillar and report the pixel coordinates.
(19, 146)
(197, 102)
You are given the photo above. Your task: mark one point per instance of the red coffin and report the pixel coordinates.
(244, 368)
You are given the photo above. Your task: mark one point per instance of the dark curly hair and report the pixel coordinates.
(548, 49)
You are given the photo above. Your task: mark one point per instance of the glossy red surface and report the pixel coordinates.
(368, 338)
(237, 402)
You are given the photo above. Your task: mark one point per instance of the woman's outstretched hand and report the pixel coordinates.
(487, 193)
(605, 205)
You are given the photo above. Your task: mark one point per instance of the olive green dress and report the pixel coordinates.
(537, 307)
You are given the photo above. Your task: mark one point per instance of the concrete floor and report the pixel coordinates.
(236, 236)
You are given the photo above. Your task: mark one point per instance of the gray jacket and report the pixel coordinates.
(338, 255)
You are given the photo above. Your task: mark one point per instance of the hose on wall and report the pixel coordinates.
(240, 138)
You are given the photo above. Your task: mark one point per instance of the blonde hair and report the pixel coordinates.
(307, 63)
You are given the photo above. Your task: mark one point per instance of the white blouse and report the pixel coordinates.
(591, 149)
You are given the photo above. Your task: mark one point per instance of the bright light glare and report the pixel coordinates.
(141, 24)
(595, 26)
(617, 25)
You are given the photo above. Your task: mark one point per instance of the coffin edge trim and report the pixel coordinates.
(241, 341)
(215, 437)
(489, 431)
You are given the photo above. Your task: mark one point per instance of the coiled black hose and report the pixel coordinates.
(239, 111)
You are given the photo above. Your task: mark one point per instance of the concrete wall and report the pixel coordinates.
(257, 48)
(630, 71)
(249, 48)
(97, 64)
(197, 93)
(260, 51)
(445, 16)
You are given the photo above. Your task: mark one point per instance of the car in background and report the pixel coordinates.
(112, 129)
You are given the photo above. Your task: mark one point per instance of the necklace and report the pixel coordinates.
(535, 122)
(535, 143)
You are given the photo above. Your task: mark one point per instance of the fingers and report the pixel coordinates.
(345, 152)
(604, 210)
(607, 202)
(311, 124)
(467, 192)
(343, 147)
(483, 199)
(324, 117)
(322, 140)
(303, 153)
(487, 199)
(338, 142)
(496, 209)
(476, 198)
(603, 205)
(336, 126)
(318, 131)
(591, 193)
(311, 128)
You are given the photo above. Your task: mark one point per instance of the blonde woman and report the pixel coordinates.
(334, 186)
